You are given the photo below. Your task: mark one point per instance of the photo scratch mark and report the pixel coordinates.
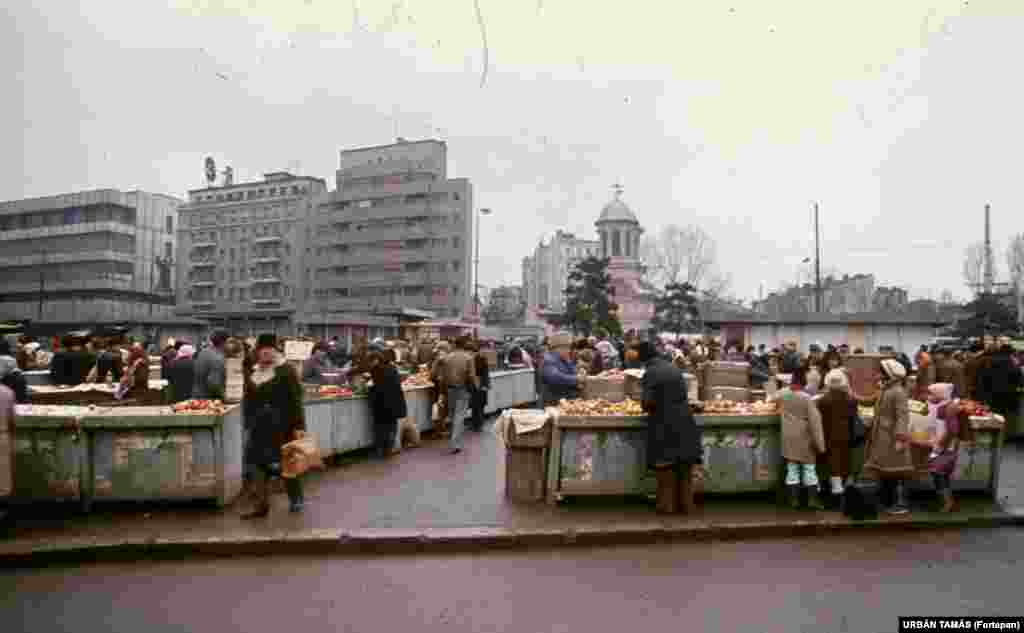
(483, 36)
(222, 76)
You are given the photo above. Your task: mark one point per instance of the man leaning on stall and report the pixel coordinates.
(673, 443)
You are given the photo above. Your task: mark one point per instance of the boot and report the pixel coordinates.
(686, 505)
(948, 501)
(812, 498)
(793, 496)
(667, 494)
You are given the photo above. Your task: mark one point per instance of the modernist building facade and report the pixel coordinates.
(396, 234)
(546, 272)
(242, 250)
(89, 257)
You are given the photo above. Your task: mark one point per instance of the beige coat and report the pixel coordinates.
(802, 435)
(891, 424)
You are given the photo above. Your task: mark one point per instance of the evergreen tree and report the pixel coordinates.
(588, 306)
(675, 309)
(990, 315)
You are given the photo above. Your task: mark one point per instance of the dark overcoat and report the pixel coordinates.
(272, 412)
(387, 400)
(672, 434)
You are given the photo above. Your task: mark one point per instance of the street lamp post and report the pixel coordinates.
(476, 273)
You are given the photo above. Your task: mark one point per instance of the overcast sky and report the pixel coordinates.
(901, 117)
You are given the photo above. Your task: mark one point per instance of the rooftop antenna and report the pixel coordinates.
(989, 273)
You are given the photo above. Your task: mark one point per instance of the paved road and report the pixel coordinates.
(837, 584)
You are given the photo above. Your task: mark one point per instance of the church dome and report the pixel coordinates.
(617, 211)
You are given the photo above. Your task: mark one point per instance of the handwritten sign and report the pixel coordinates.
(298, 350)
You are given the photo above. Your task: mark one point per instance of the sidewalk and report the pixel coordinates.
(425, 497)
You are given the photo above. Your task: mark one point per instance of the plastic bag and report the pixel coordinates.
(408, 434)
(301, 455)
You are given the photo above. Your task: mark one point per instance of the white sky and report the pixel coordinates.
(901, 117)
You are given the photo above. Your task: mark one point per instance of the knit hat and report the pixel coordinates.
(893, 369)
(266, 340)
(186, 351)
(837, 380)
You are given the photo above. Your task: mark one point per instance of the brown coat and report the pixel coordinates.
(837, 407)
(460, 370)
(951, 371)
(891, 424)
(802, 436)
(972, 369)
(925, 379)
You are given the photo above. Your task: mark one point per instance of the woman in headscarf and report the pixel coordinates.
(887, 454)
(802, 441)
(837, 409)
(272, 416)
(673, 440)
(135, 380)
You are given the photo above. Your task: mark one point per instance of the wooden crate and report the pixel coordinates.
(604, 389)
(526, 474)
(718, 374)
(735, 394)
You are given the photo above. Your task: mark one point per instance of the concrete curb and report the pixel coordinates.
(342, 542)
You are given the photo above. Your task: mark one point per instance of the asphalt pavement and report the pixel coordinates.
(851, 583)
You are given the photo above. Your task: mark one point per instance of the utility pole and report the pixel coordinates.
(817, 262)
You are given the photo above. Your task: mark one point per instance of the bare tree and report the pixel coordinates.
(685, 255)
(974, 266)
(1015, 259)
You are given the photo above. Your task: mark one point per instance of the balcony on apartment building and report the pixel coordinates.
(86, 228)
(79, 257)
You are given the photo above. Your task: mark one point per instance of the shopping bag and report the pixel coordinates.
(408, 434)
(301, 455)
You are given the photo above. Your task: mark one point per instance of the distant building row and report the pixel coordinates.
(848, 295)
(282, 253)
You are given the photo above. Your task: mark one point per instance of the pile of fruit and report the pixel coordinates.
(975, 409)
(334, 391)
(599, 408)
(721, 406)
(729, 407)
(201, 407)
(866, 412)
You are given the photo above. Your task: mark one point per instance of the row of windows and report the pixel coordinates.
(269, 291)
(87, 214)
(276, 229)
(386, 247)
(266, 270)
(356, 272)
(252, 194)
(375, 292)
(239, 216)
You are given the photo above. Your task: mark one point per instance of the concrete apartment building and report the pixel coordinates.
(241, 249)
(93, 257)
(396, 235)
(505, 305)
(850, 294)
(546, 272)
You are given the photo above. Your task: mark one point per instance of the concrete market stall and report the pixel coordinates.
(606, 455)
(84, 454)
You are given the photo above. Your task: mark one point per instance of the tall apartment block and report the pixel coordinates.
(241, 249)
(92, 257)
(396, 234)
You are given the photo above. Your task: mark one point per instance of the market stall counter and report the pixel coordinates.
(599, 448)
(84, 454)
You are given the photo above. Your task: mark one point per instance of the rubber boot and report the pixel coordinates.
(812, 498)
(793, 495)
(685, 478)
(948, 501)
(667, 493)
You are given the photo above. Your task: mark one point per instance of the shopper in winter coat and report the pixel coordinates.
(952, 426)
(272, 416)
(478, 399)
(673, 441)
(949, 370)
(387, 401)
(1000, 380)
(10, 375)
(802, 440)
(837, 409)
(211, 372)
(182, 374)
(887, 453)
